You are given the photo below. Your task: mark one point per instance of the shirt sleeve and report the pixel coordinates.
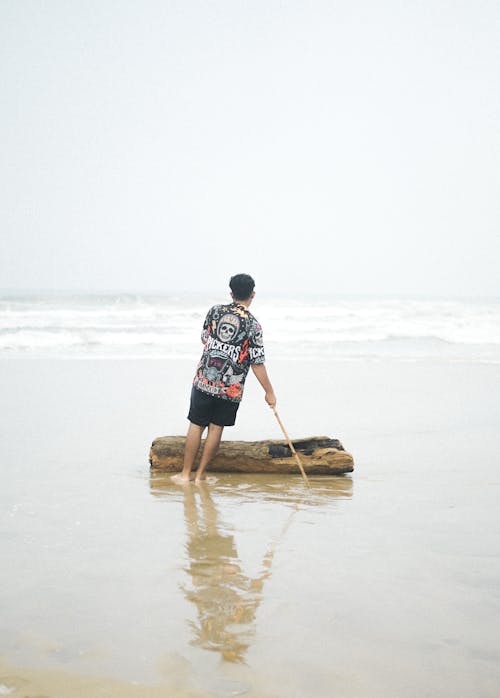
(207, 327)
(256, 344)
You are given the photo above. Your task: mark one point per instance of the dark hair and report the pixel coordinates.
(242, 286)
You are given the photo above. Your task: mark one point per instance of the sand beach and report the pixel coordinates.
(380, 583)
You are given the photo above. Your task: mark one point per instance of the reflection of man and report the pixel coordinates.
(232, 340)
(226, 599)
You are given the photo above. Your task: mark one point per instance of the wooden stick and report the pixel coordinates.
(292, 448)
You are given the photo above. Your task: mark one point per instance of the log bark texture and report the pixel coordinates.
(320, 455)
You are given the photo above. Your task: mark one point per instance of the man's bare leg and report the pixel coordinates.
(209, 450)
(193, 440)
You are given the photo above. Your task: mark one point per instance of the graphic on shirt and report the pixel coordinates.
(218, 369)
(228, 327)
(232, 340)
(257, 336)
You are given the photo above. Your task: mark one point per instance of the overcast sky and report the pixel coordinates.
(342, 147)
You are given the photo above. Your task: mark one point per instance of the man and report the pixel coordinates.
(232, 340)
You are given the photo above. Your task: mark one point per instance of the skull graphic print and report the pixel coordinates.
(228, 327)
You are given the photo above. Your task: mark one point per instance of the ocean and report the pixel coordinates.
(70, 325)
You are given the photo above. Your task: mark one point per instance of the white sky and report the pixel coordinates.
(339, 147)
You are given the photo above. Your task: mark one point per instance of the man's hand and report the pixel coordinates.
(271, 398)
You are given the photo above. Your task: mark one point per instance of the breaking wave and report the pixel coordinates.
(130, 326)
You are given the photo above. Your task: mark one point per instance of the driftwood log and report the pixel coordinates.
(320, 455)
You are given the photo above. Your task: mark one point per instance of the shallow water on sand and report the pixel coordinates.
(380, 584)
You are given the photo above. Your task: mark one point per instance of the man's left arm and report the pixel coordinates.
(261, 375)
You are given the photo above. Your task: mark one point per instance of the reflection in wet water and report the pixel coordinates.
(225, 597)
(288, 490)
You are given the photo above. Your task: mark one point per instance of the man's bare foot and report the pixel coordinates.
(200, 478)
(181, 479)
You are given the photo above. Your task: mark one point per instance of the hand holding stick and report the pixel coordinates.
(290, 444)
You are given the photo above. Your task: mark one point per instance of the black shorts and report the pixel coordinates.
(205, 409)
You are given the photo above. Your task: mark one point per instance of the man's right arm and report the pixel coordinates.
(206, 327)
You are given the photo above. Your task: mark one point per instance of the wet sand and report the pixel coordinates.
(380, 584)
(40, 683)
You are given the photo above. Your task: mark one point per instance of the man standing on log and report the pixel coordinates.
(232, 342)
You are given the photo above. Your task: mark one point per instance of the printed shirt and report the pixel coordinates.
(233, 341)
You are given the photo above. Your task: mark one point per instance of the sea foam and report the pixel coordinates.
(126, 325)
